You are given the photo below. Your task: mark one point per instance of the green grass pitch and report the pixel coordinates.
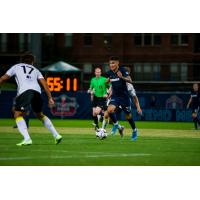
(158, 144)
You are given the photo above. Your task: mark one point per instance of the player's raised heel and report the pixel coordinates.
(58, 139)
(121, 131)
(25, 143)
(134, 135)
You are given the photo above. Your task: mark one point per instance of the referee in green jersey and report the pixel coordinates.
(98, 90)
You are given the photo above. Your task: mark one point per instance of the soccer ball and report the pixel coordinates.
(101, 133)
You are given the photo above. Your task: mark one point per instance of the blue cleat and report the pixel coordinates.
(134, 135)
(114, 129)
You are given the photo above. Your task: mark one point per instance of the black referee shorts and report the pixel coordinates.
(99, 102)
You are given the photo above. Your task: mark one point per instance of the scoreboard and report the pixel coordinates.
(63, 83)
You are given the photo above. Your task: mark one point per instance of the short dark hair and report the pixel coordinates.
(114, 58)
(28, 58)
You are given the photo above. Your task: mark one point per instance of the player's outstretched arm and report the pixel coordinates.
(47, 91)
(137, 104)
(4, 78)
(128, 79)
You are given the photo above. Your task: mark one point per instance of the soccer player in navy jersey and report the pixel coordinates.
(119, 76)
(195, 102)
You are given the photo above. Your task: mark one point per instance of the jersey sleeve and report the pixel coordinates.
(39, 75)
(124, 72)
(131, 89)
(11, 72)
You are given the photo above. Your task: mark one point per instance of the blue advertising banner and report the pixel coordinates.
(170, 106)
(72, 105)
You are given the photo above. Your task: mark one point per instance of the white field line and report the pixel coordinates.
(16, 158)
(90, 131)
(79, 156)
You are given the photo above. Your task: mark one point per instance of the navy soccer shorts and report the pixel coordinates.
(121, 102)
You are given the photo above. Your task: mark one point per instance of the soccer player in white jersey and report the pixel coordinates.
(132, 93)
(28, 79)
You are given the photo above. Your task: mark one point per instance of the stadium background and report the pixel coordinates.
(163, 66)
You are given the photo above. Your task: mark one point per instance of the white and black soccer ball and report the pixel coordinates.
(101, 133)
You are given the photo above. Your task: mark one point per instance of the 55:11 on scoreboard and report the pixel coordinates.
(60, 84)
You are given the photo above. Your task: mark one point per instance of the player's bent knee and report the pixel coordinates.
(40, 116)
(111, 109)
(18, 114)
(194, 115)
(95, 113)
(98, 110)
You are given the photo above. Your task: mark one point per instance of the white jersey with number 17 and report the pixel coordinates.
(26, 76)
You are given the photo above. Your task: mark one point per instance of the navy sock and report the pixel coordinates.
(132, 123)
(113, 117)
(195, 120)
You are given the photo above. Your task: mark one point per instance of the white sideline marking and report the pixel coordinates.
(78, 156)
(16, 158)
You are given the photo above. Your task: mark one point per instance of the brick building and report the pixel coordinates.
(157, 60)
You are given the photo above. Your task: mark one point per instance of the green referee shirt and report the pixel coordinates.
(99, 86)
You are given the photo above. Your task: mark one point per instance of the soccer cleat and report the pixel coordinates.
(134, 134)
(121, 131)
(58, 139)
(25, 143)
(114, 129)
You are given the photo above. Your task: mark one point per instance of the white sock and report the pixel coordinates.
(98, 117)
(116, 123)
(48, 124)
(22, 127)
(104, 124)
